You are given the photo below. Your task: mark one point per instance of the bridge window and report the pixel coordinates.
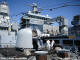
(68, 42)
(77, 42)
(56, 41)
(37, 17)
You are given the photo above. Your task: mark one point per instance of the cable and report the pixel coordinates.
(73, 5)
(70, 1)
(51, 9)
(74, 1)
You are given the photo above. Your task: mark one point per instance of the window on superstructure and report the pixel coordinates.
(76, 18)
(42, 18)
(37, 17)
(29, 16)
(27, 20)
(23, 23)
(77, 42)
(45, 18)
(68, 42)
(57, 41)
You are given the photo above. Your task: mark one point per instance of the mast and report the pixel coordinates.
(35, 8)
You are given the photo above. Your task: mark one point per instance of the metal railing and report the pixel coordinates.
(7, 45)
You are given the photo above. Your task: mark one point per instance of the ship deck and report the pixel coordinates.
(12, 54)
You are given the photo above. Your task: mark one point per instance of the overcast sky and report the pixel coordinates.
(18, 6)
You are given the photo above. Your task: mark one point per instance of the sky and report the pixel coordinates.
(18, 6)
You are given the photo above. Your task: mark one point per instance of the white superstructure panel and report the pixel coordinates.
(7, 38)
(36, 21)
(24, 38)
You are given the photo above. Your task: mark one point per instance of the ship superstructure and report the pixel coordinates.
(7, 31)
(4, 15)
(34, 17)
(35, 20)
